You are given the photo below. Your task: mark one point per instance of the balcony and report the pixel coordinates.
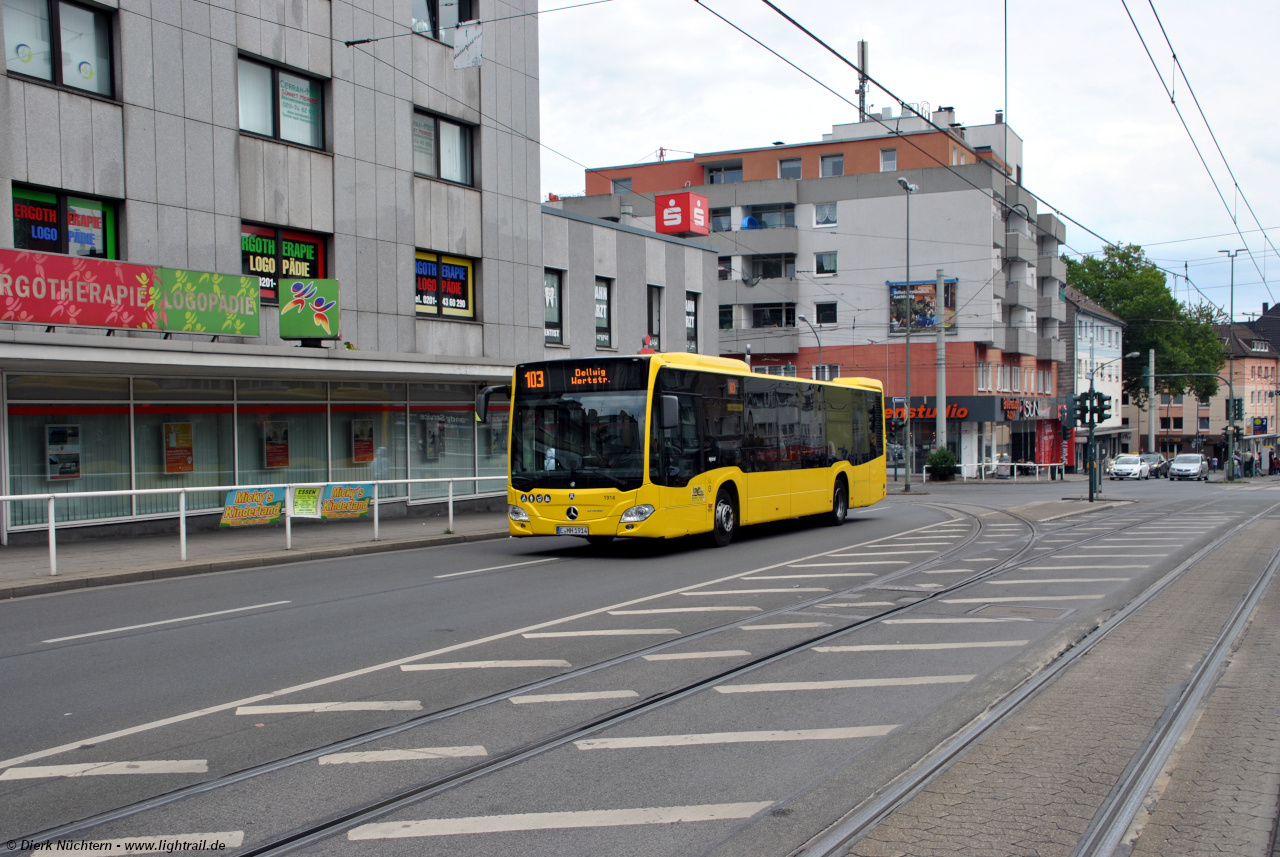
(1051, 349)
(1020, 340)
(756, 242)
(1019, 293)
(763, 340)
(1020, 247)
(1051, 306)
(780, 290)
(997, 233)
(1051, 266)
(1052, 226)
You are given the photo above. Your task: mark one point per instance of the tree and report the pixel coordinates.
(1130, 285)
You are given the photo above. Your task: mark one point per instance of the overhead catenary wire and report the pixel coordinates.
(354, 42)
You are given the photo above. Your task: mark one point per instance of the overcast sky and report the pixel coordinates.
(1103, 143)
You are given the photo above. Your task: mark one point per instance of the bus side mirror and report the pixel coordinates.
(482, 400)
(670, 412)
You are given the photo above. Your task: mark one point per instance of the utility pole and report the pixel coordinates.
(1151, 399)
(940, 321)
(864, 57)
(909, 442)
(1231, 372)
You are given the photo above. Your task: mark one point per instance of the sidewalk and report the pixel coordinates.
(25, 570)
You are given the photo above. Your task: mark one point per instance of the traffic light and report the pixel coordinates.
(1239, 407)
(1102, 406)
(1082, 408)
(1235, 408)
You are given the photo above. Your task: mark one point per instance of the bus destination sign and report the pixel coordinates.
(624, 373)
(589, 375)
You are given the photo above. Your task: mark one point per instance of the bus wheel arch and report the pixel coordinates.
(839, 501)
(726, 519)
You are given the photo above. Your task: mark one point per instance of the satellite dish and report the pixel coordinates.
(750, 222)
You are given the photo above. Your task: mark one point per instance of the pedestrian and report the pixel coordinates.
(1213, 464)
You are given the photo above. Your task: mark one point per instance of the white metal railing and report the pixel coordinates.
(286, 506)
(1005, 470)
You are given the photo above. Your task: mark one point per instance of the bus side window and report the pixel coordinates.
(840, 433)
(682, 446)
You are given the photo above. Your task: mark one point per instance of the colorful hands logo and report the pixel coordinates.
(307, 293)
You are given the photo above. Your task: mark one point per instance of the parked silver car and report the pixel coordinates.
(1189, 466)
(1130, 467)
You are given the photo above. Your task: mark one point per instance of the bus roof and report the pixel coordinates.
(739, 367)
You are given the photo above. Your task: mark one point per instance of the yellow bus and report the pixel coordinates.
(672, 444)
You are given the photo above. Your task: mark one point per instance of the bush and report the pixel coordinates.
(942, 464)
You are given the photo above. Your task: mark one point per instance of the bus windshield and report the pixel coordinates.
(579, 439)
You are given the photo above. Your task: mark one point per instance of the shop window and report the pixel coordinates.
(279, 445)
(726, 316)
(826, 313)
(368, 443)
(45, 222)
(691, 322)
(436, 19)
(654, 325)
(442, 444)
(63, 43)
(832, 165)
(824, 264)
(790, 168)
(269, 253)
(280, 104)
(442, 148)
(67, 449)
(604, 312)
(444, 285)
(552, 314)
(824, 214)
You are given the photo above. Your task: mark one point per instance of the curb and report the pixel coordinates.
(109, 578)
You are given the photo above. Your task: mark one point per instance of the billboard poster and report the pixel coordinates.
(306, 502)
(275, 444)
(62, 452)
(1259, 425)
(918, 305)
(346, 501)
(253, 506)
(361, 441)
(179, 448)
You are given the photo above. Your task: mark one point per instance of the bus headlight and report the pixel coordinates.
(636, 513)
(515, 513)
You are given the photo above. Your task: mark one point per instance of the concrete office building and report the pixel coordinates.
(1094, 343)
(243, 144)
(814, 234)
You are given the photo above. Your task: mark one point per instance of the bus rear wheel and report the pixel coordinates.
(726, 523)
(839, 505)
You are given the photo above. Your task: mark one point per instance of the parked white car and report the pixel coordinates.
(1130, 467)
(1189, 466)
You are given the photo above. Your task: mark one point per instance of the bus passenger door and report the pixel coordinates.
(683, 476)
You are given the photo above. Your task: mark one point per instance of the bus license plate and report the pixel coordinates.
(571, 531)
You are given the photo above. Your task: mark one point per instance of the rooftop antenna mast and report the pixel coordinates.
(863, 57)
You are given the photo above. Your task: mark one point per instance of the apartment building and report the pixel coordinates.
(813, 258)
(288, 240)
(1095, 345)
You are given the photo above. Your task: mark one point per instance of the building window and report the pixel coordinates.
(832, 165)
(604, 312)
(724, 175)
(46, 222)
(786, 371)
(780, 216)
(1177, 423)
(826, 371)
(824, 264)
(773, 315)
(436, 19)
(1204, 423)
(654, 326)
(269, 253)
(888, 160)
(824, 214)
(1164, 424)
(444, 285)
(280, 104)
(724, 267)
(826, 313)
(726, 316)
(691, 322)
(63, 43)
(789, 168)
(442, 149)
(721, 220)
(773, 267)
(552, 320)
(621, 185)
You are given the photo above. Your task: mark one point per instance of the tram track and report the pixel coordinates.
(323, 828)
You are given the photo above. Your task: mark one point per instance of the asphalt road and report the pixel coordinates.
(548, 636)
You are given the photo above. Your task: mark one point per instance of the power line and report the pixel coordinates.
(355, 42)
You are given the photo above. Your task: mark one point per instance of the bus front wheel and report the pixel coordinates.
(726, 518)
(839, 504)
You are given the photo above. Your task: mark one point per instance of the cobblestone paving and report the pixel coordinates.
(1032, 786)
(1222, 792)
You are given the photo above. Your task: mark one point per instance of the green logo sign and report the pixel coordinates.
(312, 310)
(199, 302)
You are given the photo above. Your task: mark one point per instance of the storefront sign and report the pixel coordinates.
(346, 501)
(682, 213)
(40, 288)
(253, 506)
(306, 502)
(1259, 425)
(361, 441)
(275, 444)
(977, 408)
(1027, 409)
(311, 311)
(62, 452)
(444, 285)
(179, 451)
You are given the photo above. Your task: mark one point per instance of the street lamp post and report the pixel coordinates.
(1231, 361)
(819, 338)
(909, 188)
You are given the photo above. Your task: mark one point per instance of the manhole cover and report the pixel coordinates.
(1021, 612)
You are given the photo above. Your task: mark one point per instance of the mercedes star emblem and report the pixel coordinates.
(572, 513)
